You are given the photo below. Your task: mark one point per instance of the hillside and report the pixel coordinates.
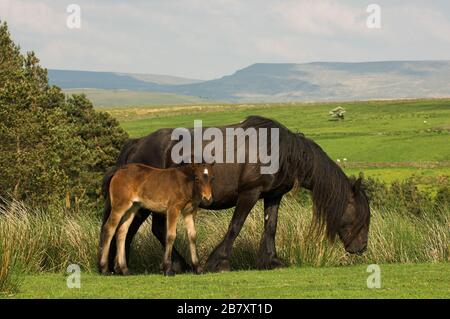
(73, 79)
(266, 82)
(131, 98)
(328, 81)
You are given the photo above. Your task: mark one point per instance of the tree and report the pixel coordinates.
(101, 135)
(337, 113)
(52, 147)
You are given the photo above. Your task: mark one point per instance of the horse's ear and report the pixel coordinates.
(357, 184)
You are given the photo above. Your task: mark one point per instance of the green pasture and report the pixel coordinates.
(397, 281)
(386, 139)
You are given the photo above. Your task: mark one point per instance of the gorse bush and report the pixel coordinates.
(53, 148)
(407, 197)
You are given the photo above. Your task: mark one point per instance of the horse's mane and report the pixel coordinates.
(303, 159)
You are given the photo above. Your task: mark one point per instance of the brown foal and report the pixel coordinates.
(168, 191)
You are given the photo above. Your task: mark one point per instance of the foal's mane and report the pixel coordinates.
(301, 158)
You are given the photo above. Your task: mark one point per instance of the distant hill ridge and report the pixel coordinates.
(283, 82)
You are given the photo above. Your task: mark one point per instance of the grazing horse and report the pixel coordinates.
(168, 191)
(339, 203)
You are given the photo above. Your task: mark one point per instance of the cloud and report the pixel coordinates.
(207, 39)
(38, 17)
(321, 17)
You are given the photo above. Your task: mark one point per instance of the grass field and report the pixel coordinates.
(36, 247)
(386, 139)
(390, 140)
(397, 281)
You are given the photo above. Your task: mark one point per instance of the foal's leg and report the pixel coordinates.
(139, 218)
(108, 231)
(159, 229)
(172, 218)
(192, 236)
(121, 260)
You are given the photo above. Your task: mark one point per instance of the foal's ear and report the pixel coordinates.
(191, 172)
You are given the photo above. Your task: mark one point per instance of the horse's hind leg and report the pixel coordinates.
(172, 218)
(108, 231)
(192, 236)
(121, 260)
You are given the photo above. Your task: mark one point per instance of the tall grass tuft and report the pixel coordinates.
(36, 240)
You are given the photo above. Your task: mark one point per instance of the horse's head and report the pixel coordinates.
(203, 176)
(354, 225)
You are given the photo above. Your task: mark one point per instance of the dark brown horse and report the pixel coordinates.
(171, 191)
(340, 204)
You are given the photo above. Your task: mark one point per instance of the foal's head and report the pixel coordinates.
(203, 176)
(354, 225)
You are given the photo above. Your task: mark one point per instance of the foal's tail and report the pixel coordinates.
(122, 159)
(105, 191)
(107, 180)
(127, 148)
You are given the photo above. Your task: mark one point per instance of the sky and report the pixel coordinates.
(206, 39)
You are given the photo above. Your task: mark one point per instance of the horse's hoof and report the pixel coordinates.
(271, 263)
(180, 266)
(198, 270)
(220, 265)
(169, 273)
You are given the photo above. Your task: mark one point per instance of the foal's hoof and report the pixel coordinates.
(271, 263)
(104, 270)
(219, 265)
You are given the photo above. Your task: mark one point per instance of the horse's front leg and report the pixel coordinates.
(219, 258)
(172, 218)
(267, 251)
